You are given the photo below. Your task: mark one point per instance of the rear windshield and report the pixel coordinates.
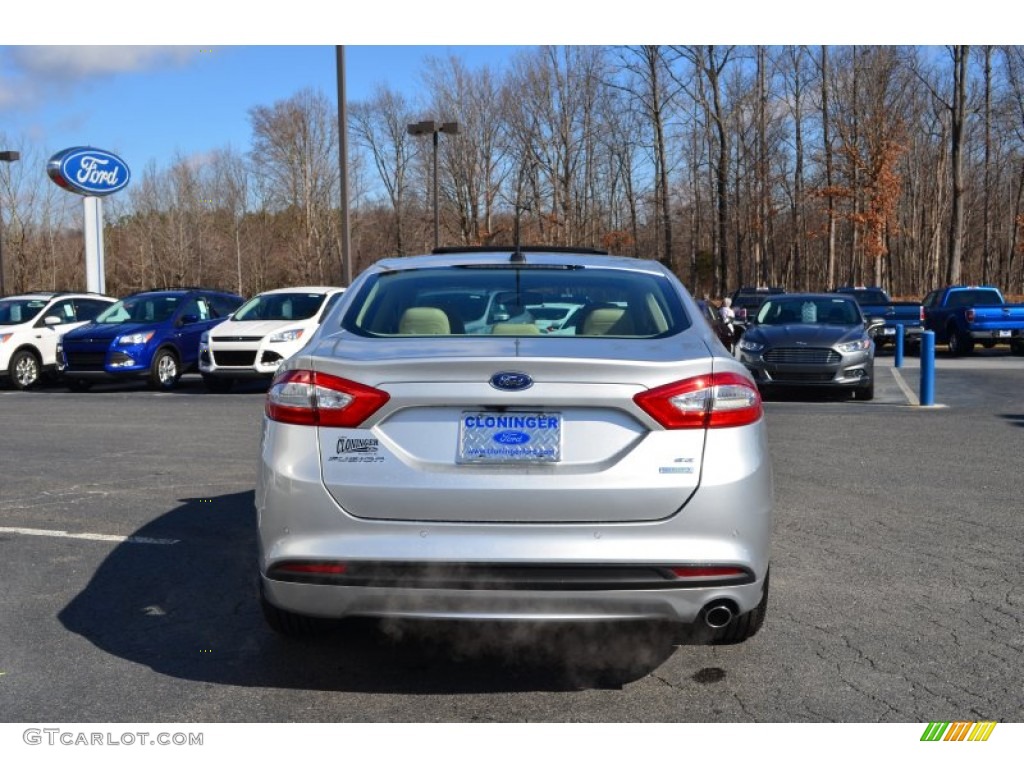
(973, 297)
(869, 296)
(517, 301)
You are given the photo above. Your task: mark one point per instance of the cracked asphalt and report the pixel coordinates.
(897, 579)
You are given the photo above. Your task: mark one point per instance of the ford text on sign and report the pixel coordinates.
(88, 171)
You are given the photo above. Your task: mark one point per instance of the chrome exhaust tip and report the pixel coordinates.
(718, 615)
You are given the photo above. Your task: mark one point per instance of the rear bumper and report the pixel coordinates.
(727, 522)
(889, 333)
(997, 335)
(676, 605)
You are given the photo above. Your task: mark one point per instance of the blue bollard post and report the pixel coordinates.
(928, 368)
(898, 362)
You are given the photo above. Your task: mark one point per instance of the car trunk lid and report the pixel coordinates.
(451, 446)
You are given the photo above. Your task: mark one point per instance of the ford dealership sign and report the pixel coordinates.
(88, 171)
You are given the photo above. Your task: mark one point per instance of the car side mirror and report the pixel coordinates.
(875, 325)
(188, 319)
(51, 320)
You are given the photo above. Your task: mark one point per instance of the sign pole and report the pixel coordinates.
(91, 173)
(95, 281)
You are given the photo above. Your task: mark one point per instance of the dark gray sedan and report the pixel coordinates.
(811, 339)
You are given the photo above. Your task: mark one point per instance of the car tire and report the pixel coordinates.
(290, 624)
(79, 385)
(1017, 348)
(866, 391)
(218, 384)
(960, 344)
(25, 370)
(744, 627)
(164, 371)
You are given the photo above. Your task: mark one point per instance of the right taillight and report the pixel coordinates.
(969, 315)
(703, 402)
(319, 399)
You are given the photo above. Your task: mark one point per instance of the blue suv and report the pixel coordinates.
(152, 335)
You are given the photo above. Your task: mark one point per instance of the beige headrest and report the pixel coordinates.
(600, 321)
(424, 321)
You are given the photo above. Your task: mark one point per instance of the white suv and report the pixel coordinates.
(262, 333)
(31, 324)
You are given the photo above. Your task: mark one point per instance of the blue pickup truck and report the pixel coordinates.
(962, 316)
(875, 303)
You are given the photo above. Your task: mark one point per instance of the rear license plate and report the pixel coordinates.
(888, 331)
(509, 437)
(1004, 334)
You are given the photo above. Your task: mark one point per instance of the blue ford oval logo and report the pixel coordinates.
(511, 437)
(88, 171)
(511, 382)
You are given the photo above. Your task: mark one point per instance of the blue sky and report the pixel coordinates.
(132, 77)
(149, 103)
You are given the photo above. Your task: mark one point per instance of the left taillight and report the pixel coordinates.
(318, 399)
(703, 402)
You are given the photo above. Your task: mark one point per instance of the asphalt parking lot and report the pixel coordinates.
(127, 537)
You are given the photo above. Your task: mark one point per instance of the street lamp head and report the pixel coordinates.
(451, 128)
(422, 128)
(9, 157)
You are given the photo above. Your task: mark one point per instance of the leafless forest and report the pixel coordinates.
(807, 167)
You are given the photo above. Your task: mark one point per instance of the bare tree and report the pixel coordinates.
(647, 82)
(294, 148)
(474, 160)
(380, 127)
(710, 63)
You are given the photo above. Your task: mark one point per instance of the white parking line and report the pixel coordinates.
(907, 391)
(87, 536)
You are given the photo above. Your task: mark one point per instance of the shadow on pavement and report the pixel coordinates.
(190, 610)
(1016, 419)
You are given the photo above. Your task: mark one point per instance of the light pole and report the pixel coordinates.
(423, 128)
(7, 157)
(346, 229)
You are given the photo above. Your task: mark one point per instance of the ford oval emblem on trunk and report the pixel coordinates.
(511, 382)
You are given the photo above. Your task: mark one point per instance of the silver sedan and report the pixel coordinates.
(614, 468)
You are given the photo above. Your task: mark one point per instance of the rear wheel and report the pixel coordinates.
(960, 343)
(1017, 348)
(25, 369)
(744, 627)
(164, 372)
